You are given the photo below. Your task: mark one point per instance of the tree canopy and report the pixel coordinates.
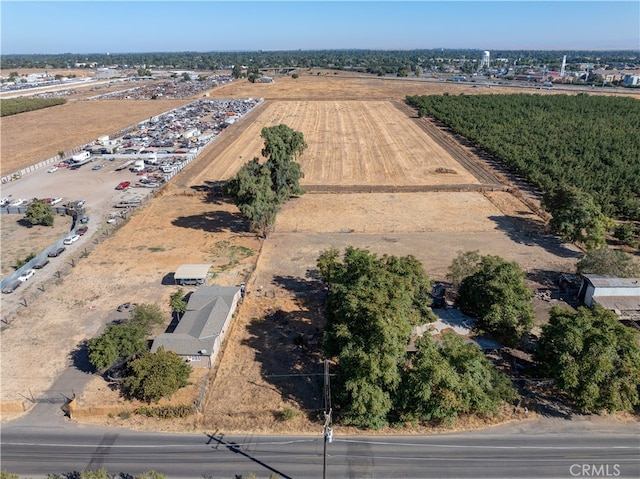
(124, 340)
(575, 216)
(373, 304)
(39, 212)
(259, 189)
(156, 375)
(498, 298)
(609, 262)
(594, 359)
(447, 378)
(464, 264)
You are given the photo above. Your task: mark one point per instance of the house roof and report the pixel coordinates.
(603, 281)
(202, 322)
(192, 271)
(618, 303)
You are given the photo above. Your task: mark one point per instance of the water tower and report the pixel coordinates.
(484, 63)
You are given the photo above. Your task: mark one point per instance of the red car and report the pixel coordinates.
(82, 230)
(123, 186)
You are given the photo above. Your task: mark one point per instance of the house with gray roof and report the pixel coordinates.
(199, 334)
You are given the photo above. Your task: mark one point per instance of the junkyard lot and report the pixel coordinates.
(183, 225)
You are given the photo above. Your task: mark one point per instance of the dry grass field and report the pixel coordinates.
(356, 137)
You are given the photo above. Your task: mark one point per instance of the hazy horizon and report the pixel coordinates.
(83, 27)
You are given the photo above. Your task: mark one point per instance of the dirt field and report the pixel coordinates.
(355, 136)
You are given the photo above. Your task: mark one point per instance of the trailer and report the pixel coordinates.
(125, 165)
(80, 159)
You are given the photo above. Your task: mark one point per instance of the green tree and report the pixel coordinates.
(8, 475)
(448, 378)
(282, 145)
(610, 262)
(39, 212)
(464, 264)
(125, 340)
(177, 302)
(372, 306)
(575, 216)
(498, 298)
(628, 233)
(260, 189)
(236, 72)
(327, 263)
(119, 341)
(593, 358)
(146, 316)
(156, 375)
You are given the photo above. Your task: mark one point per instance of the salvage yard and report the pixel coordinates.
(356, 136)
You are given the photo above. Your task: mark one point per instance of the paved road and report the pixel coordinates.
(510, 452)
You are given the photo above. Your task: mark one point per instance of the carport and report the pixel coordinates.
(191, 274)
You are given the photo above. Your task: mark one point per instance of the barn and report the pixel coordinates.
(198, 336)
(191, 274)
(620, 295)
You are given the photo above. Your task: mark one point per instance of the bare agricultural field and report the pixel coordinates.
(31, 137)
(350, 143)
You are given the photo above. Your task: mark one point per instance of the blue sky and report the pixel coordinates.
(160, 26)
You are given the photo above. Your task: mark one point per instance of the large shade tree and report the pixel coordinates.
(372, 306)
(575, 216)
(448, 378)
(609, 262)
(498, 298)
(259, 189)
(594, 359)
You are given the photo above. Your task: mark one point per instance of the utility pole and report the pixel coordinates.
(327, 430)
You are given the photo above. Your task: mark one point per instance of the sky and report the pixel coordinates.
(205, 26)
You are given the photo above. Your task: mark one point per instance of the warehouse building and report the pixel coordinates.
(620, 295)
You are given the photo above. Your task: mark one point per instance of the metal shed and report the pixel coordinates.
(191, 274)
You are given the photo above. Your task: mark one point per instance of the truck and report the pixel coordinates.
(137, 166)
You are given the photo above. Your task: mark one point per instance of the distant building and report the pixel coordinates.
(620, 295)
(631, 80)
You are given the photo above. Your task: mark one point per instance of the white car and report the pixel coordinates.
(55, 201)
(26, 275)
(71, 239)
(53, 169)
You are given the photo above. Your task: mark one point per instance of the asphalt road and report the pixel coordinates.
(35, 452)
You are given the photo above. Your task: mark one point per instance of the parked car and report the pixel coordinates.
(123, 185)
(97, 167)
(80, 203)
(26, 275)
(53, 169)
(71, 239)
(55, 201)
(11, 287)
(82, 231)
(41, 264)
(56, 252)
(84, 220)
